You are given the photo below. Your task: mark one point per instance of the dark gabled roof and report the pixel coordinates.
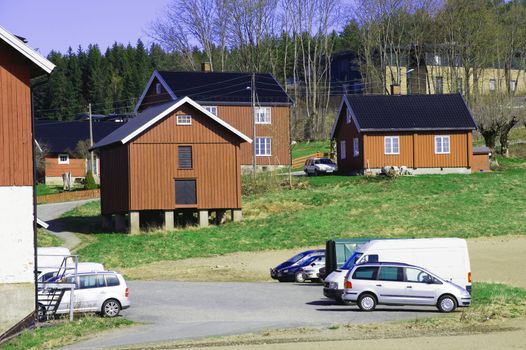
(410, 112)
(225, 87)
(154, 114)
(62, 137)
(141, 119)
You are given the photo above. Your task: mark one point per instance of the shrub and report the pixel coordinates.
(90, 181)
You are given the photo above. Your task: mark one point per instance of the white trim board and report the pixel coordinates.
(25, 50)
(176, 105)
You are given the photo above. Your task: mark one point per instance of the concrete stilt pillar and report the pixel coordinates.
(237, 215)
(106, 223)
(203, 218)
(169, 220)
(120, 223)
(135, 227)
(220, 217)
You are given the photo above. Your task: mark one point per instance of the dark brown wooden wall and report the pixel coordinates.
(16, 135)
(348, 132)
(152, 98)
(114, 181)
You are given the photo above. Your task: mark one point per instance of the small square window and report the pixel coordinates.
(391, 145)
(441, 144)
(184, 120)
(211, 109)
(263, 115)
(63, 159)
(263, 146)
(492, 85)
(158, 88)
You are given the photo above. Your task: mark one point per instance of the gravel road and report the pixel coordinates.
(182, 310)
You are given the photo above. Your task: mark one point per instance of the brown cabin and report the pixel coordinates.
(228, 96)
(18, 65)
(425, 133)
(174, 158)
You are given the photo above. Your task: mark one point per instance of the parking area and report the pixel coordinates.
(182, 310)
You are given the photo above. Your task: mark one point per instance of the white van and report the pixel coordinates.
(446, 257)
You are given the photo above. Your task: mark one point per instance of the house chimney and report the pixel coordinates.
(205, 67)
(395, 89)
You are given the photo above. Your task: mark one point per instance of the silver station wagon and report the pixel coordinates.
(371, 284)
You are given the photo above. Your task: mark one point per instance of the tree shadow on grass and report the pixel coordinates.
(77, 224)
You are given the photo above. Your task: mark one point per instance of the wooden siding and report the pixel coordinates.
(77, 167)
(144, 178)
(114, 180)
(348, 132)
(480, 163)
(16, 137)
(240, 117)
(152, 98)
(417, 150)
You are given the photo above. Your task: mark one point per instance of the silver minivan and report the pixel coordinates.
(371, 284)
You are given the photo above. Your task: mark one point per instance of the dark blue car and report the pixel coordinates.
(286, 271)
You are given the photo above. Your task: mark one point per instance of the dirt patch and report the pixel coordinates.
(493, 259)
(245, 267)
(424, 333)
(499, 259)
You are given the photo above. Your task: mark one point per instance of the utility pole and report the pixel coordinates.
(253, 88)
(91, 140)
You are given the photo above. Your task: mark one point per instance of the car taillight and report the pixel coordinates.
(126, 293)
(469, 277)
(348, 285)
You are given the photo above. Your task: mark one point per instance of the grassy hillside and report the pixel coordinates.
(488, 204)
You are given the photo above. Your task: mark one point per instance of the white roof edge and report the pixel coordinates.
(154, 75)
(337, 119)
(177, 105)
(42, 62)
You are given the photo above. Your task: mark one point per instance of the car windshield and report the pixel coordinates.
(351, 261)
(297, 257)
(309, 260)
(326, 161)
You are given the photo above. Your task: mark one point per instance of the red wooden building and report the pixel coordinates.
(18, 65)
(173, 158)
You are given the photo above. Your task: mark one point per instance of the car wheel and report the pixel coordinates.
(366, 302)
(41, 313)
(447, 303)
(299, 277)
(111, 308)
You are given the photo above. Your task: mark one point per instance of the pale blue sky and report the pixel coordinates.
(58, 24)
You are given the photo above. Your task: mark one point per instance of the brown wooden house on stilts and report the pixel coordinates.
(174, 158)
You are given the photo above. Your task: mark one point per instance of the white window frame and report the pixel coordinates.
(348, 117)
(211, 109)
(158, 88)
(343, 150)
(63, 161)
(356, 147)
(492, 84)
(266, 143)
(513, 85)
(442, 138)
(266, 118)
(438, 60)
(391, 150)
(184, 119)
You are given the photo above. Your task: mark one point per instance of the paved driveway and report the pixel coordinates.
(182, 310)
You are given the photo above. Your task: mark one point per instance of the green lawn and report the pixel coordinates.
(487, 204)
(43, 189)
(302, 149)
(46, 239)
